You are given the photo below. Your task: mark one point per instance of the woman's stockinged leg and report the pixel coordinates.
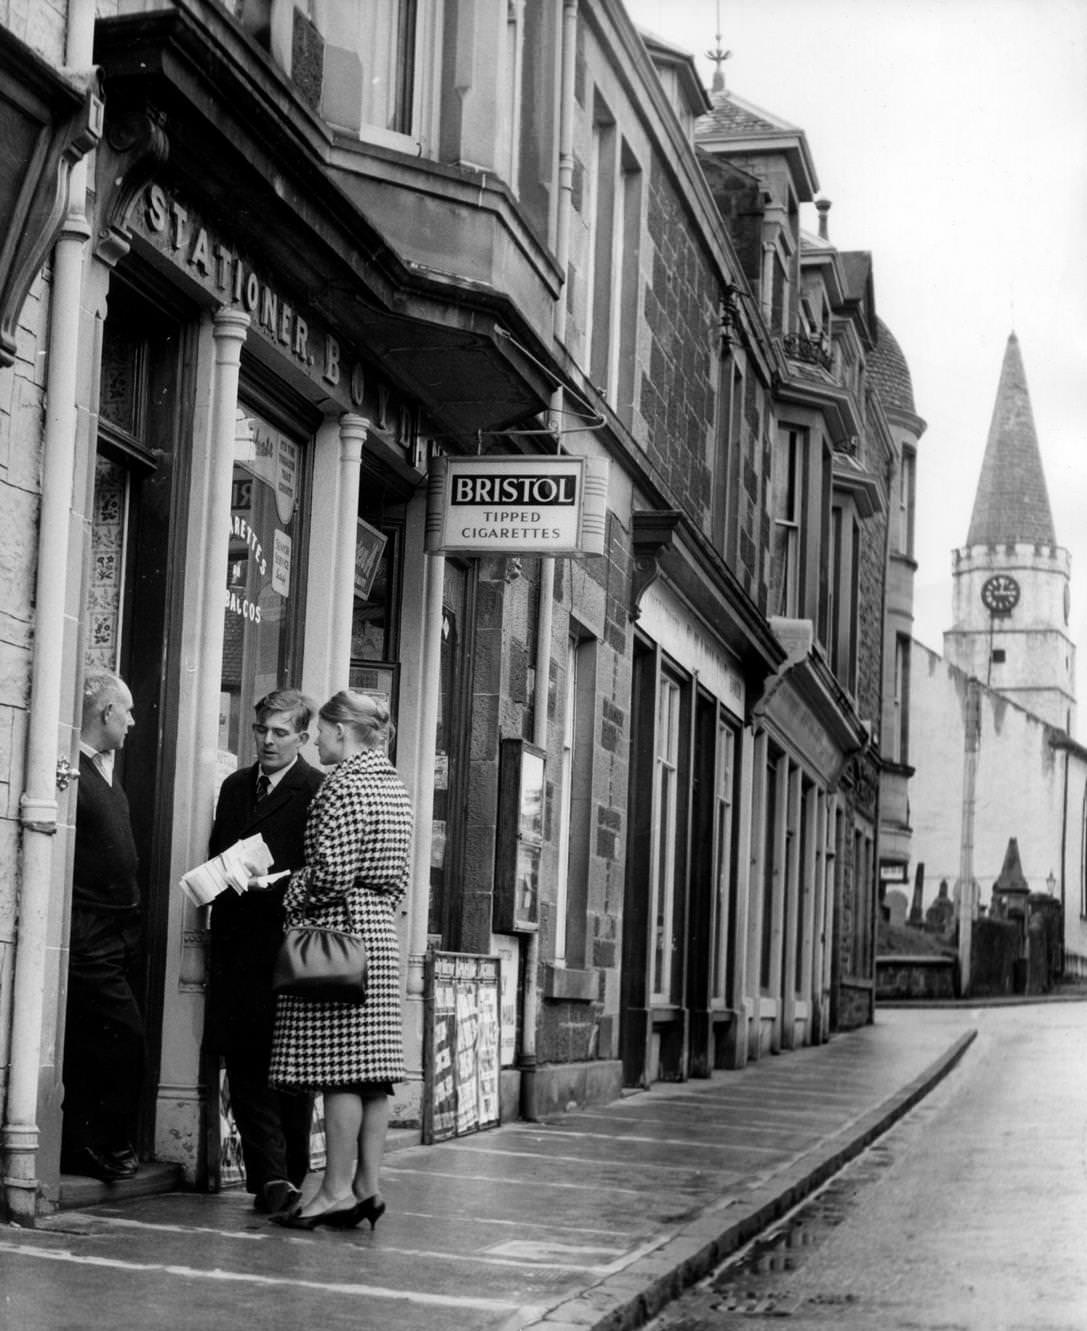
(343, 1127)
(371, 1146)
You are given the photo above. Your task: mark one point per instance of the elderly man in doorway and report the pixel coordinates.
(104, 1030)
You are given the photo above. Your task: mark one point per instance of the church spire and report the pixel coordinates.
(1012, 502)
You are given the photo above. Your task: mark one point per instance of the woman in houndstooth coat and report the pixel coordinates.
(358, 837)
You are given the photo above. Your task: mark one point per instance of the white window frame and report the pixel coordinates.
(723, 813)
(566, 797)
(338, 17)
(790, 498)
(662, 891)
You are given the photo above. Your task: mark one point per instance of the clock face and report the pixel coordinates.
(1000, 594)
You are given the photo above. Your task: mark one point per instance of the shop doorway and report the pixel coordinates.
(132, 587)
(655, 1019)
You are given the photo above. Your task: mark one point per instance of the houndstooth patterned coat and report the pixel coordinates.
(357, 840)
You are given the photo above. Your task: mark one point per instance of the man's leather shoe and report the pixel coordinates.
(276, 1196)
(94, 1164)
(124, 1159)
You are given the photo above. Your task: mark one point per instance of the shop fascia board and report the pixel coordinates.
(668, 546)
(805, 679)
(246, 134)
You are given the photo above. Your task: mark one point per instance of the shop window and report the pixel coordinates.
(566, 799)
(263, 614)
(863, 905)
(575, 802)
(374, 617)
(806, 881)
(791, 874)
(373, 620)
(449, 812)
(724, 798)
(665, 829)
(771, 863)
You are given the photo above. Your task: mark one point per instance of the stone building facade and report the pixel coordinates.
(265, 304)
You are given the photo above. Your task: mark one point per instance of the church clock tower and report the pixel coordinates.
(1011, 580)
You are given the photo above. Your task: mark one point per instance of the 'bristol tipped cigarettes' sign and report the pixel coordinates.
(517, 505)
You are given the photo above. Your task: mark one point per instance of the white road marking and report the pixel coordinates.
(274, 1282)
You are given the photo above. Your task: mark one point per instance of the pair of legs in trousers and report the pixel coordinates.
(104, 1038)
(274, 1125)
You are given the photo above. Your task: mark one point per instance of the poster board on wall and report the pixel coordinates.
(463, 1035)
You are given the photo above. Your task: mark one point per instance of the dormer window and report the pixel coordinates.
(811, 323)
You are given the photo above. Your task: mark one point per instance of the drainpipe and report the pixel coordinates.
(38, 803)
(529, 1100)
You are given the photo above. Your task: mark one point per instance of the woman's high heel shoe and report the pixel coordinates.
(370, 1209)
(341, 1217)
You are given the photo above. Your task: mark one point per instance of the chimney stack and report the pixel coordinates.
(822, 207)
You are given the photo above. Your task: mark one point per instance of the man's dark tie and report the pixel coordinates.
(264, 785)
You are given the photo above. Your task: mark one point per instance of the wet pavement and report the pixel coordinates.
(594, 1220)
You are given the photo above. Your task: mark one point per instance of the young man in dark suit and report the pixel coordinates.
(272, 797)
(104, 1029)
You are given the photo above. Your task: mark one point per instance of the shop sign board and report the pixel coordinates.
(463, 1044)
(517, 505)
(893, 871)
(173, 226)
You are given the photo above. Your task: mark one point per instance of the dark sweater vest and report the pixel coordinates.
(106, 862)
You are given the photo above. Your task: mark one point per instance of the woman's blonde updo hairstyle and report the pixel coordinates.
(366, 716)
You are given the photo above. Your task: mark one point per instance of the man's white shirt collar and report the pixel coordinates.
(102, 759)
(274, 778)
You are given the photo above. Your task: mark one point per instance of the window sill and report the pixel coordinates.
(576, 986)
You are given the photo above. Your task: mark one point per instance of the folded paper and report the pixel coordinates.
(234, 867)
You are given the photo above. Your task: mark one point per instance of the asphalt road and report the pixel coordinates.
(969, 1213)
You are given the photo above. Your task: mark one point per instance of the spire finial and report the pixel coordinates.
(718, 56)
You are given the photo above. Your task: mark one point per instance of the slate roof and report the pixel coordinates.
(733, 116)
(888, 371)
(1012, 502)
(738, 126)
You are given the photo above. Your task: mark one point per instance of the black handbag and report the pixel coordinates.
(322, 964)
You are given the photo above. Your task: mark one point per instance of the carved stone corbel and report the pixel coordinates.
(136, 146)
(651, 535)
